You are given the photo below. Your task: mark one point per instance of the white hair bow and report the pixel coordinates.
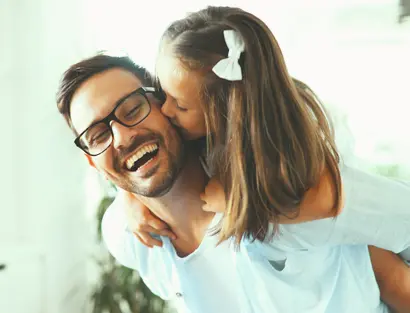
(229, 68)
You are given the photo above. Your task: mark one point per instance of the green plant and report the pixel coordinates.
(120, 289)
(389, 170)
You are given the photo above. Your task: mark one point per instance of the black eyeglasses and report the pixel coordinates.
(129, 111)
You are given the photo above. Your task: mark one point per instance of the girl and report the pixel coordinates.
(270, 147)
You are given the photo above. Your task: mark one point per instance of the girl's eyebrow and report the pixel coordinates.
(171, 95)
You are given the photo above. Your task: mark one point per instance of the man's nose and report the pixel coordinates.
(168, 109)
(121, 135)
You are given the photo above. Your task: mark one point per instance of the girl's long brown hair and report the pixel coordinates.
(273, 137)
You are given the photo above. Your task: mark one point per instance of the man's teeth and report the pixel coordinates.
(140, 153)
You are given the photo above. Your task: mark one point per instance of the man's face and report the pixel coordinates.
(144, 159)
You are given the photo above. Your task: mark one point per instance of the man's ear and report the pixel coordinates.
(90, 160)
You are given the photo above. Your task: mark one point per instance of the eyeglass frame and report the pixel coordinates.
(143, 91)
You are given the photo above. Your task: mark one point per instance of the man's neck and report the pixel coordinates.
(181, 207)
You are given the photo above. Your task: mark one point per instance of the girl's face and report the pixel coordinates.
(183, 101)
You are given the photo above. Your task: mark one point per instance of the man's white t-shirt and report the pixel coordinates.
(304, 270)
(204, 281)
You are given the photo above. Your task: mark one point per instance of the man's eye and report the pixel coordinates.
(133, 112)
(100, 137)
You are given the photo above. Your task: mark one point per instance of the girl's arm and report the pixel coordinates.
(142, 222)
(374, 210)
(318, 202)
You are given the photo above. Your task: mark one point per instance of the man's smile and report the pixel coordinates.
(143, 155)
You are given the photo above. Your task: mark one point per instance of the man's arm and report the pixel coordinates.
(393, 278)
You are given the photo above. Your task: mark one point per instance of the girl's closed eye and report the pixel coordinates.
(179, 107)
(184, 104)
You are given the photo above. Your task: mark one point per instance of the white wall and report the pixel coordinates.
(44, 231)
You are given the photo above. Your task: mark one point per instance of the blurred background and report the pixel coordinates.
(354, 53)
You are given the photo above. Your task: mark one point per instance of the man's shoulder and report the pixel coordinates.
(379, 190)
(151, 263)
(114, 218)
(116, 236)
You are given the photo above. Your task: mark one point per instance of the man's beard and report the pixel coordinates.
(167, 178)
(164, 178)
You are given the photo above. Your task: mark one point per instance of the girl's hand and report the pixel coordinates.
(214, 197)
(142, 222)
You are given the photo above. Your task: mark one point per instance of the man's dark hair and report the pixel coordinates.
(80, 72)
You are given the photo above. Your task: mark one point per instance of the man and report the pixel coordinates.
(118, 123)
(150, 160)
